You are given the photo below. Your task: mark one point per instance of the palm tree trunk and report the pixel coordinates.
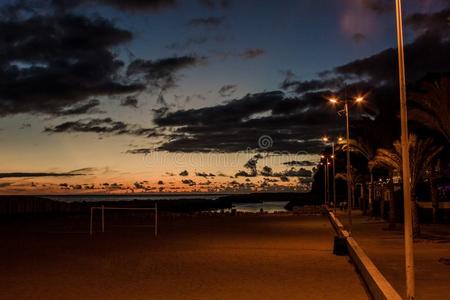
(364, 198)
(391, 207)
(415, 215)
(434, 200)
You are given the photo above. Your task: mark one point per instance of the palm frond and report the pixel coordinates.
(433, 107)
(422, 153)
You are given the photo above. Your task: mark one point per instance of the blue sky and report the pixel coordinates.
(303, 37)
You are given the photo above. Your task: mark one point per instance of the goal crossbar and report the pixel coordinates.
(103, 208)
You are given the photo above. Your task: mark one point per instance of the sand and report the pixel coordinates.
(204, 257)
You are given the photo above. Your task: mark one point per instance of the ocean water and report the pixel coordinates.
(269, 207)
(272, 206)
(102, 198)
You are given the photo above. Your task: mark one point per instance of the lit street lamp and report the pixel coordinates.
(335, 100)
(327, 140)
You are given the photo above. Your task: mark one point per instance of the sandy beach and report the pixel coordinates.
(202, 257)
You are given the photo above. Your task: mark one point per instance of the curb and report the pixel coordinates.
(377, 284)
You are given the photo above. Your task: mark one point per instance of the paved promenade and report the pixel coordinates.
(244, 257)
(386, 249)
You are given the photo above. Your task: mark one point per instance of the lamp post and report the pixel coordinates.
(325, 178)
(409, 251)
(327, 140)
(358, 99)
(328, 181)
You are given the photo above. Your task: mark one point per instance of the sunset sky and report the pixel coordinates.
(123, 96)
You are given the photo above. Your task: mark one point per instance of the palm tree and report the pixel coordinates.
(421, 155)
(355, 177)
(432, 109)
(363, 147)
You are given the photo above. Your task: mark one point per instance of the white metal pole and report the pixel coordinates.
(349, 176)
(334, 179)
(325, 182)
(328, 182)
(409, 251)
(103, 218)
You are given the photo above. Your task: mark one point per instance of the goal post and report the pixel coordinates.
(103, 208)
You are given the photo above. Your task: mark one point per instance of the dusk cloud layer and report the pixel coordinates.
(129, 5)
(100, 126)
(162, 73)
(293, 124)
(49, 63)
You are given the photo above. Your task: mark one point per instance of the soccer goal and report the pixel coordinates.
(105, 208)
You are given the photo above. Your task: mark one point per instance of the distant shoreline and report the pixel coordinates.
(39, 205)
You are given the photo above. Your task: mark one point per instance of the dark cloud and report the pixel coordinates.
(161, 74)
(39, 174)
(284, 178)
(184, 173)
(209, 22)
(434, 23)
(84, 108)
(101, 126)
(379, 6)
(212, 4)
(189, 182)
(293, 124)
(297, 173)
(128, 5)
(300, 87)
(252, 53)
(251, 165)
(227, 90)
(49, 63)
(139, 151)
(130, 101)
(204, 174)
(303, 163)
(139, 185)
(266, 171)
(428, 53)
(358, 37)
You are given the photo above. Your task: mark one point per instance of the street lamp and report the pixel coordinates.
(409, 251)
(346, 102)
(327, 140)
(325, 176)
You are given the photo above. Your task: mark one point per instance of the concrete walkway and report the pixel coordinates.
(386, 250)
(245, 257)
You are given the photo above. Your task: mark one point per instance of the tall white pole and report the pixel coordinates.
(349, 177)
(325, 182)
(334, 178)
(409, 251)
